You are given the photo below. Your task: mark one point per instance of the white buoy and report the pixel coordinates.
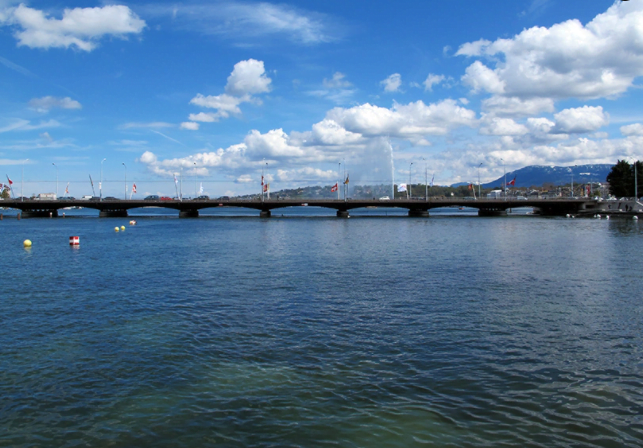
(567, 215)
(607, 217)
(636, 218)
(132, 223)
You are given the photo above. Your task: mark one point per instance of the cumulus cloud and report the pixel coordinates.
(566, 60)
(632, 129)
(78, 27)
(581, 120)
(248, 78)
(514, 106)
(392, 83)
(432, 80)
(502, 126)
(47, 103)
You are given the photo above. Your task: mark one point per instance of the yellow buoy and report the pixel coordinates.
(123, 228)
(27, 243)
(116, 229)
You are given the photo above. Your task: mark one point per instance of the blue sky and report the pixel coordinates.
(217, 91)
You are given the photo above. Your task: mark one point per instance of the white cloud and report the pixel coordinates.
(79, 27)
(151, 125)
(338, 81)
(273, 144)
(432, 80)
(47, 103)
(392, 83)
(328, 132)
(190, 126)
(632, 129)
(412, 121)
(502, 126)
(306, 174)
(248, 78)
(238, 20)
(566, 60)
(514, 106)
(26, 125)
(581, 120)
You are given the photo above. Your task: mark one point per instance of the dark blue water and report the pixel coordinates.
(318, 331)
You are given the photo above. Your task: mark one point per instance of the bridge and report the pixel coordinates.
(33, 208)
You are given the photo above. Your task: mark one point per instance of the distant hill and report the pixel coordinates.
(538, 175)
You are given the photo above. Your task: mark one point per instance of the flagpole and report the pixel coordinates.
(100, 184)
(410, 195)
(195, 179)
(479, 194)
(181, 186)
(426, 181)
(125, 179)
(339, 171)
(344, 186)
(56, 178)
(22, 179)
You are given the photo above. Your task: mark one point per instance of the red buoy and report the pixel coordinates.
(74, 241)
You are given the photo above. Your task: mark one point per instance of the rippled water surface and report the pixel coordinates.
(318, 331)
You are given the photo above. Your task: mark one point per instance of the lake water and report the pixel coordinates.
(374, 331)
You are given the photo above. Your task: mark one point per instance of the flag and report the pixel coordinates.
(432, 179)
(470, 186)
(588, 190)
(176, 181)
(512, 183)
(201, 188)
(334, 188)
(67, 188)
(401, 188)
(346, 181)
(265, 187)
(10, 182)
(133, 188)
(91, 181)
(261, 179)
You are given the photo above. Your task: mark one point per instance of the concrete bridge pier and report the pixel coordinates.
(343, 214)
(113, 214)
(415, 213)
(487, 212)
(188, 213)
(39, 213)
(265, 214)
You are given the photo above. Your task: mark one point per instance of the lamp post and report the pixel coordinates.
(572, 171)
(410, 172)
(56, 178)
(344, 182)
(195, 180)
(181, 183)
(636, 189)
(479, 194)
(426, 181)
(263, 165)
(125, 179)
(100, 184)
(22, 179)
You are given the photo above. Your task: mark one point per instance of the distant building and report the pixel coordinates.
(47, 196)
(495, 194)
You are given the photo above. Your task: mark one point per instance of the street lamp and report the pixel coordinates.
(479, 194)
(636, 190)
(181, 184)
(22, 179)
(125, 179)
(426, 181)
(56, 179)
(410, 172)
(572, 171)
(100, 184)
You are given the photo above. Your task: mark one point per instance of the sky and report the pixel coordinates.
(218, 93)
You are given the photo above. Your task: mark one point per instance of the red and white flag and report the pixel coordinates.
(265, 187)
(67, 188)
(333, 189)
(133, 188)
(10, 181)
(261, 180)
(512, 183)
